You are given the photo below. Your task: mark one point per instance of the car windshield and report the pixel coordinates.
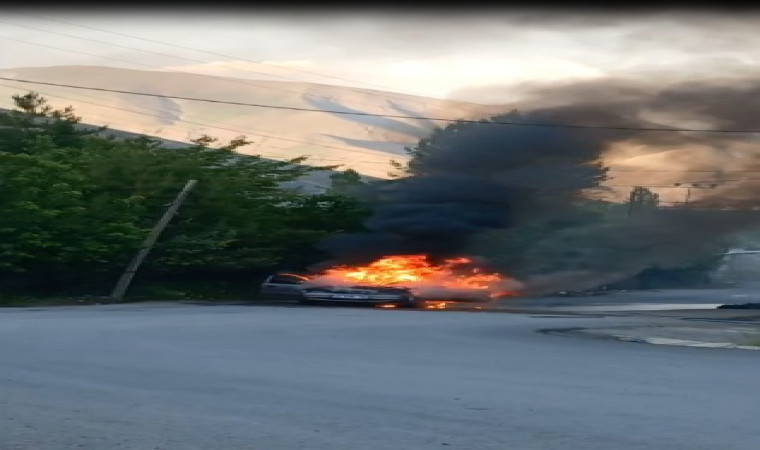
(288, 279)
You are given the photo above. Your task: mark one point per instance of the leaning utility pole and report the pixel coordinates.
(123, 284)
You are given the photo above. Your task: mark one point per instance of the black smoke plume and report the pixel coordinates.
(482, 177)
(472, 183)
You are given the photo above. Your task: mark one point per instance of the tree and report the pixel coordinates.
(32, 118)
(346, 182)
(642, 199)
(50, 225)
(75, 205)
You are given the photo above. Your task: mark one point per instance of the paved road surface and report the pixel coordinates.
(149, 377)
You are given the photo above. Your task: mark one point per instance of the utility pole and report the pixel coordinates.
(126, 277)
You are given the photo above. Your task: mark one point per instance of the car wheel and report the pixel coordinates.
(413, 304)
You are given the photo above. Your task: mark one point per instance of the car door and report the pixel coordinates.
(283, 286)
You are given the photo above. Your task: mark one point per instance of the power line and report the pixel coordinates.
(177, 120)
(679, 185)
(311, 158)
(222, 55)
(245, 132)
(682, 171)
(248, 132)
(258, 134)
(682, 185)
(395, 116)
(196, 123)
(234, 80)
(179, 71)
(71, 51)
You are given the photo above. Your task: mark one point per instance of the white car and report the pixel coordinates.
(284, 285)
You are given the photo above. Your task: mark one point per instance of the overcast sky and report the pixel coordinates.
(433, 55)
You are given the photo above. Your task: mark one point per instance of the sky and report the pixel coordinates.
(443, 55)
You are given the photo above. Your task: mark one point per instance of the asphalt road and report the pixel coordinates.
(148, 377)
(646, 300)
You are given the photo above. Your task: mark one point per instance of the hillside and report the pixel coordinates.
(366, 144)
(315, 182)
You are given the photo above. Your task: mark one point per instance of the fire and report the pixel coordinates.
(436, 305)
(417, 272)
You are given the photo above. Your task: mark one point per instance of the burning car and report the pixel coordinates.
(401, 280)
(298, 287)
(373, 295)
(284, 285)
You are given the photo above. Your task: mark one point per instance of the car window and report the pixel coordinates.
(286, 279)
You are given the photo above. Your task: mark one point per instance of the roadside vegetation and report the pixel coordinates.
(76, 204)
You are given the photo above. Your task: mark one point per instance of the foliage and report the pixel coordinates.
(34, 119)
(641, 200)
(75, 205)
(347, 182)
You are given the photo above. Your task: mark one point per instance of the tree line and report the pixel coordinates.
(76, 203)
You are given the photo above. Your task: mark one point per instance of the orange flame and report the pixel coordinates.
(416, 271)
(436, 305)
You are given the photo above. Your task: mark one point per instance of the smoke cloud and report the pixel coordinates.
(480, 178)
(482, 184)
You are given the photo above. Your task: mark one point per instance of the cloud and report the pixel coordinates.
(425, 52)
(434, 77)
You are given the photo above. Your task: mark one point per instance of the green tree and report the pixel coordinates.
(32, 118)
(75, 206)
(51, 231)
(347, 182)
(642, 199)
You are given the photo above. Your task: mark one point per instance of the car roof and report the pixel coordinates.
(355, 286)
